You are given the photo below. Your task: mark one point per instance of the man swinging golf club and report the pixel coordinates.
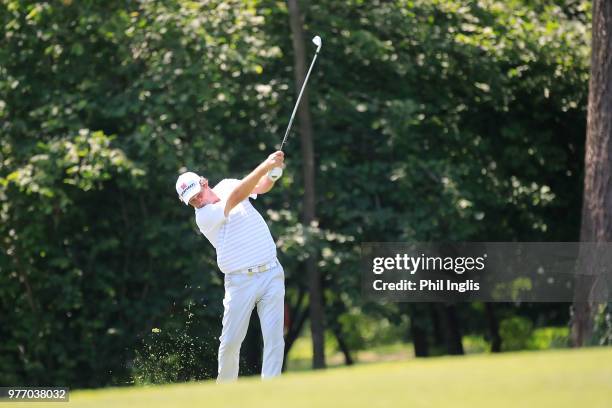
(246, 254)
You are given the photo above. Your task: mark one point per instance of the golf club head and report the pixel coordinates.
(317, 41)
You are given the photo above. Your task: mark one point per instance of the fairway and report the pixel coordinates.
(562, 378)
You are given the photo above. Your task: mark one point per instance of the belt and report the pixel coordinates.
(256, 269)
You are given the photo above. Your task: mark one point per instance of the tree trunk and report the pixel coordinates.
(335, 311)
(438, 335)
(597, 197)
(348, 360)
(418, 327)
(305, 127)
(452, 333)
(419, 339)
(493, 328)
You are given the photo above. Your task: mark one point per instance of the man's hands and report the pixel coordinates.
(277, 171)
(265, 183)
(247, 185)
(276, 159)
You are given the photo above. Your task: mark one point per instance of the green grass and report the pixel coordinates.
(559, 378)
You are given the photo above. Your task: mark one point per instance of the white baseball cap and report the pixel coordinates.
(187, 185)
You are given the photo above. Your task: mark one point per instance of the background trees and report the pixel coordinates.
(431, 121)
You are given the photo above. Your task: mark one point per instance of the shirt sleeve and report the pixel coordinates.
(228, 185)
(210, 216)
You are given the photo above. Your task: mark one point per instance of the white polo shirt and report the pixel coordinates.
(242, 239)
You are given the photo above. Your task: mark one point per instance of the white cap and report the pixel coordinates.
(187, 185)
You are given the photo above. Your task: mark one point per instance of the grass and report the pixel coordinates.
(559, 378)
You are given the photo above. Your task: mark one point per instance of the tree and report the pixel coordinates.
(309, 209)
(597, 196)
(102, 104)
(434, 120)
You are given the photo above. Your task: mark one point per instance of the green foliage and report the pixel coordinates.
(433, 121)
(102, 106)
(475, 344)
(515, 333)
(447, 121)
(363, 331)
(548, 338)
(602, 335)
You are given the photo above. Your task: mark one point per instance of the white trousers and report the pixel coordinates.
(243, 292)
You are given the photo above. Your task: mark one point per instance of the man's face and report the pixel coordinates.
(205, 196)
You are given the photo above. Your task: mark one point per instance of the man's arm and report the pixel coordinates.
(247, 184)
(264, 185)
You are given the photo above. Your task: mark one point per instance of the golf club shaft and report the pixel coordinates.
(298, 100)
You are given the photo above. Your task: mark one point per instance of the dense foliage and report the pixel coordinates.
(443, 120)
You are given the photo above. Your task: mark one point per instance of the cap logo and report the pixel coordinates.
(187, 188)
(184, 186)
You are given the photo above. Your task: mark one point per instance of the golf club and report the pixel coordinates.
(276, 172)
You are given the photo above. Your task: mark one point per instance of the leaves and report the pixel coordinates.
(433, 121)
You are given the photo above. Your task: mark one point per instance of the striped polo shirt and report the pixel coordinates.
(242, 239)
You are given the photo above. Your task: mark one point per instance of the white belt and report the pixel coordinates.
(256, 269)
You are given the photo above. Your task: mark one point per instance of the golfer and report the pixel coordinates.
(246, 254)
